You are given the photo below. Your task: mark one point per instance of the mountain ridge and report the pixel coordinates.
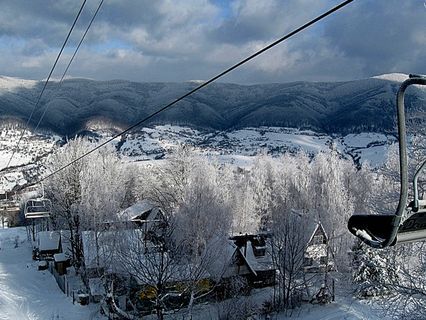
(327, 107)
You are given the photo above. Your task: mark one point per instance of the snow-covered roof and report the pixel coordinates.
(250, 258)
(141, 210)
(257, 263)
(99, 247)
(315, 228)
(48, 240)
(91, 249)
(218, 267)
(60, 257)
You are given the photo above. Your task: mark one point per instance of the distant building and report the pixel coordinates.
(318, 256)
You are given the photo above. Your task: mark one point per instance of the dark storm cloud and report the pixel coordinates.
(385, 36)
(167, 40)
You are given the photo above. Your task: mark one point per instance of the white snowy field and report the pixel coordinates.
(29, 294)
(238, 147)
(241, 145)
(345, 307)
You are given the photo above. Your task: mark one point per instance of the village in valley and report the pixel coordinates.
(168, 238)
(153, 259)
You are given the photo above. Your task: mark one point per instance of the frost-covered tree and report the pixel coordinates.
(374, 272)
(87, 194)
(287, 250)
(165, 184)
(64, 190)
(201, 226)
(333, 200)
(103, 189)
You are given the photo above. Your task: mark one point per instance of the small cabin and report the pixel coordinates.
(48, 244)
(254, 248)
(61, 262)
(245, 256)
(318, 256)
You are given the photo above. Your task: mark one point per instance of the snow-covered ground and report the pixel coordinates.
(26, 293)
(30, 146)
(345, 307)
(348, 309)
(239, 146)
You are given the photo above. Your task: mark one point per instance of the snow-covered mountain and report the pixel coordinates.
(326, 107)
(230, 123)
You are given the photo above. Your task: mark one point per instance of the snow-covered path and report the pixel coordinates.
(26, 293)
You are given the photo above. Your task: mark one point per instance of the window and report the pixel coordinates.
(318, 239)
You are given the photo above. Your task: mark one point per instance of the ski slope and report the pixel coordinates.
(28, 294)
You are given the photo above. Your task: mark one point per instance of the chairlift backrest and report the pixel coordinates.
(37, 208)
(409, 221)
(9, 205)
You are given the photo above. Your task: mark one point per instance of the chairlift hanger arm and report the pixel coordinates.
(380, 231)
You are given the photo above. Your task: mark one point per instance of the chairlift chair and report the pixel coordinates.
(12, 206)
(9, 205)
(37, 208)
(409, 222)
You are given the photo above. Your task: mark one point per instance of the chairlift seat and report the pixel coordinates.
(379, 227)
(371, 227)
(37, 208)
(413, 228)
(9, 206)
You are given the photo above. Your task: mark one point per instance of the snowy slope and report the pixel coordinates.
(26, 293)
(32, 149)
(238, 146)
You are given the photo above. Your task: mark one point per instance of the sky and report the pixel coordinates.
(183, 40)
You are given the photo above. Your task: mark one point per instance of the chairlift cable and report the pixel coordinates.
(204, 84)
(72, 59)
(45, 83)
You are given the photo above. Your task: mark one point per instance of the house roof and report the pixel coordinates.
(99, 247)
(96, 247)
(48, 240)
(218, 267)
(143, 210)
(259, 263)
(315, 227)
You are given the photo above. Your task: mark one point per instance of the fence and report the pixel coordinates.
(61, 280)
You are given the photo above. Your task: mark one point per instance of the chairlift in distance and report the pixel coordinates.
(409, 222)
(9, 205)
(38, 207)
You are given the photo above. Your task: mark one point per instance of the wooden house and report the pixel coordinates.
(318, 256)
(245, 256)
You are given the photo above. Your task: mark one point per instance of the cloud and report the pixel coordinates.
(144, 40)
(384, 36)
